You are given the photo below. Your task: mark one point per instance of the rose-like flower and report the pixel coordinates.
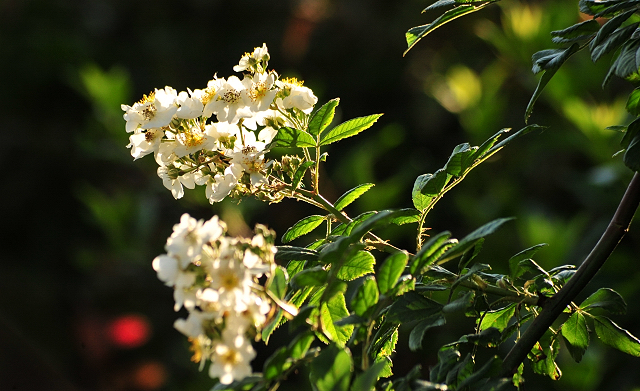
(231, 358)
(155, 110)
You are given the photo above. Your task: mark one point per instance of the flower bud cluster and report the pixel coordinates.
(191, 148)
(215, 277)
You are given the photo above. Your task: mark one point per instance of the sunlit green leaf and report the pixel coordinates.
(331, 370)
(615, 336)
(430, 251)
(315, 276)
(290, 253)
(433, 185)
(356, 266)
(366, 381)
(498, 318)
(279, 281)
(291, 137)
(460, 159)
(348, 129)
(302, 227)
(366, 297)
(331, 312)
(391, 269)
(276, 364)
(300, 345)
(299, 174)
(323, 117)
(489, 143)
(607, 299)
(418, 331)
(352, 195)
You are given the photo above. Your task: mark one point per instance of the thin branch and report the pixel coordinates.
(553, 307)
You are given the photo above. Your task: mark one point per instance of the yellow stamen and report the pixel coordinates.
(148, 98)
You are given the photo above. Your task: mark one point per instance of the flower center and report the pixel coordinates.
(231, 96)
(191, 139)
(231, 357)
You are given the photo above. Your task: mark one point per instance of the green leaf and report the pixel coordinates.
(291, 137)
(447, 358)
(290, 253)
(626, 65)
(460, 159)
(334, 288)
(418, 331)
(460, 371)
(576, 334)
(331, 312)
(434, 184)
(348, 129)
(478, 267)
(417, 33)
(352, 195)
(315, 276)
(279, 280)
(518, 134)
(515, 269)
(276, 364)
(379, 219)
(429, 251)
(609, 27)
(543, 356)
(412, 306)
(294, 267)
(300, 345)
(391, 269)
(299, 174)
(323, 117)
(607, 299)
(470, 240)
(612, 42)
(631, 157)
(489, 369)
(605, 8)
(633, 103)
(459, 304)
(302, 227)
(550, 61)
(421, 201)
(615, 336)
(470, 254)
(488, 144)
(366, 381)
(358, 265)
(331, 370)
(499, 318)
(577, 32)
(366, 297)
(409, 216)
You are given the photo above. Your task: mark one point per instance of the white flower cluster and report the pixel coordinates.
(215, 279)
(190, 149)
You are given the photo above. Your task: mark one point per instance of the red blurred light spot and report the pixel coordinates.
(150, 375)
(129, 331)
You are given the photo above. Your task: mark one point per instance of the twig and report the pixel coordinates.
(554, 306)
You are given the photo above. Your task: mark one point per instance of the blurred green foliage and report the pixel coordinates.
(83, 222)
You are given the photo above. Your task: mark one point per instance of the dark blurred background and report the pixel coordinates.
(81, 307)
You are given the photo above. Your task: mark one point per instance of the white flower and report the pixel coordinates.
(170, 269)
(165, 154)
(193, 140)
(172, 180)
(190, 105)
(153, 111)
(192, 326)
(231, 358)
(250, 61)
(230, 102)
(260, 90)
(252, 162)
(297, 96)
(191, 235)
(231, 279)
(145, 143)
(222, 184)
(225, 134)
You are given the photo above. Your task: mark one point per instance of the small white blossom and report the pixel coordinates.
(190, 105)
(153, 111)
(231, 358)
(144, 143)
(231, 101)
(250, 61)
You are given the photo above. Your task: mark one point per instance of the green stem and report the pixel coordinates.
(554, 306)
(506, 294)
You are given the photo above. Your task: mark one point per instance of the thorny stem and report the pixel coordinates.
(553, 307)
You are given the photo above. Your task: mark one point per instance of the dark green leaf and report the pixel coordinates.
(607, 299)
(631, 156)
(291, 137)
(302, 227)
(379, 219)
(633, 103)
(430, 251)
(489, 369)
(315, 276)
(331, 370)
(488, 144)
(433, 185)
(276, 364)
(334, 288)
(391, 269)
(412, 306)
(577, 32)
(609, 27)
(294, 267)
(408, 216)
(550, 61)
(514, 262)
(478, 267)
(470, 254)
(348, 129)
(299, 174)
(323, 117)
(302, 319)
(417, 334)
(488, 337)
(290, 253)
(421, 201)
(460, 371)
(366, 297)
(612, 42)
(300, 345)
(470, 240)
(352, 195)
(576, 334)
(448, 356)
(416, 33)
(519, 133)
(440, 3)
(459, 304)
(626, 65)
(615, 336)
(499, 318)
